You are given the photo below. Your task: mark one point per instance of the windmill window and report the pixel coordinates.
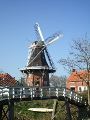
(37, 83)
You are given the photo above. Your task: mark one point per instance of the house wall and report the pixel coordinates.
(79, 86)
(75, 80)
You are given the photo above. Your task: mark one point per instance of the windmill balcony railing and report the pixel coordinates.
(39, 93)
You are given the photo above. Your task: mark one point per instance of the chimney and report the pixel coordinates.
(73, 70)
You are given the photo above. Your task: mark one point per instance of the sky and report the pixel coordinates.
(17, 20)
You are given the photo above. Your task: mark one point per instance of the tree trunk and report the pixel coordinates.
(88, 94)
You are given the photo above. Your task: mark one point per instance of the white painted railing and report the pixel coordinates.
(39, 92)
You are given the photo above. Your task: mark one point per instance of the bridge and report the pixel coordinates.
(9, 95)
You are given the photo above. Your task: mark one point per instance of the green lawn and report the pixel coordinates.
(22, 112)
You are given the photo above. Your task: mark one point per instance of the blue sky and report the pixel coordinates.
(17, 19)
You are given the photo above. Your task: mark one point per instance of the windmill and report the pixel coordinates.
(39, 63)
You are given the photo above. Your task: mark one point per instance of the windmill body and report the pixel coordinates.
(40, 64)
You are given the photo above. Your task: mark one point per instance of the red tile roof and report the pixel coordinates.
(7, 80)
(78, 76)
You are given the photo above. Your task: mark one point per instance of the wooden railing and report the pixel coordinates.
(40, 93)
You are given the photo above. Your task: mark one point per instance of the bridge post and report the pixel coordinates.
(88, 112)
(41, 93)
(11, 110)
(54, 109)
(68, 110)
(82, 113)
(1, 109)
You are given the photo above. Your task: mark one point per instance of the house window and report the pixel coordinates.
(72, 88)
(2, 78)
(85, 88)
(79, 88)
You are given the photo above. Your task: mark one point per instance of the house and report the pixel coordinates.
(77, 81)
(7, 80)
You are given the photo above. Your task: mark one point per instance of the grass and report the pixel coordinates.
(22, 112)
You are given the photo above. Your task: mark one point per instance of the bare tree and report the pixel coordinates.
(79, 59)
(58, 81)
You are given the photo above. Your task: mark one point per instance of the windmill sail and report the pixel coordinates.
(49, 58)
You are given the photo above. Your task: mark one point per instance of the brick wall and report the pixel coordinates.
(37, 79)
(76, 81)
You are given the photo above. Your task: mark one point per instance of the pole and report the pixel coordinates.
(54, 109)
(1, 108)
(68, 110)
(11, 110)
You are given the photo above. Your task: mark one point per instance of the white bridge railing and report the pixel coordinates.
(39, 92)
